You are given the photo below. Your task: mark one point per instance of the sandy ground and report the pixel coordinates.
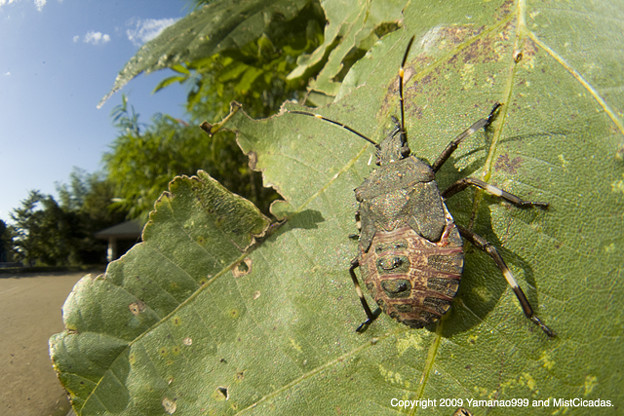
(30, 311)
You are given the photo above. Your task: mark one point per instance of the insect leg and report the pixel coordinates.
(482, 244)
(452, 146)
(462, 184)
(371, 316)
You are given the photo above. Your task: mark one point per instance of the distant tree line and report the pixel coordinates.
(60, 231)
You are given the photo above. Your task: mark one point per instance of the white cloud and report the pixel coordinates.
(76, 38)
(39, 4)
(5, 2)
(147, 29)
(7, 74)
(94, 38)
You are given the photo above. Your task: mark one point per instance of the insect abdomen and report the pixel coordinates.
(412, 279)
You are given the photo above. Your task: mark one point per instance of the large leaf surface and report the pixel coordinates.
(122, 326)
(275, 334)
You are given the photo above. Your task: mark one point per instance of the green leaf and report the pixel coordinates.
(197, 232)
(216, 27)
(351, 30)
(181, 69)
(170, 80)
(271, 331)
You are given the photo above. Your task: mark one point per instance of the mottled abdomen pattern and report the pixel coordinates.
(412, 279)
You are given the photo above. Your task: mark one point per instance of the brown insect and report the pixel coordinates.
(410, 249)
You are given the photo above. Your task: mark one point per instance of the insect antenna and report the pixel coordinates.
(401, 75)
(352, 130)
(337, 123)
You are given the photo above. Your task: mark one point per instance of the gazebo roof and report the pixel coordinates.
(128, 229)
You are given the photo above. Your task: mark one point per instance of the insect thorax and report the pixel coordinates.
(400, 194)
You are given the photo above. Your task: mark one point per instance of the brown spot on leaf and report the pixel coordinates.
(136, 307)
(169, 405)
(528, 52)
(510, 166)
(619, 154)
(504, 10)
(480, 51)
(454, 35)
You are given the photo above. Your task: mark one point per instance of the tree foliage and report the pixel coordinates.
(143, 159)
(217, 27)
(255, 74)
(44, 234)
(6, 242)
(60, 233)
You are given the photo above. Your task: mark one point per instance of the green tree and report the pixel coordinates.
(256, 74)
(43, 231)
(91, 195)
(6, 244)
(142, 161)
(53, 233)
(89, 198)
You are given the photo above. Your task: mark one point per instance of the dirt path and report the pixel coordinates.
(30, 311)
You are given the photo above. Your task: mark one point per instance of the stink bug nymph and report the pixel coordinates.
(410, 249)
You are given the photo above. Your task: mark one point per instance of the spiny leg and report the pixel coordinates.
(452, 146)
(462, 184)
(371, 316)
(484, 245)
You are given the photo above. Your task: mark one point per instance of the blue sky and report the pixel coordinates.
(58, 58)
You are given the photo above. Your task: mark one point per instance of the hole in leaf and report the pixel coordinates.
(242, 268)
(224, 392)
